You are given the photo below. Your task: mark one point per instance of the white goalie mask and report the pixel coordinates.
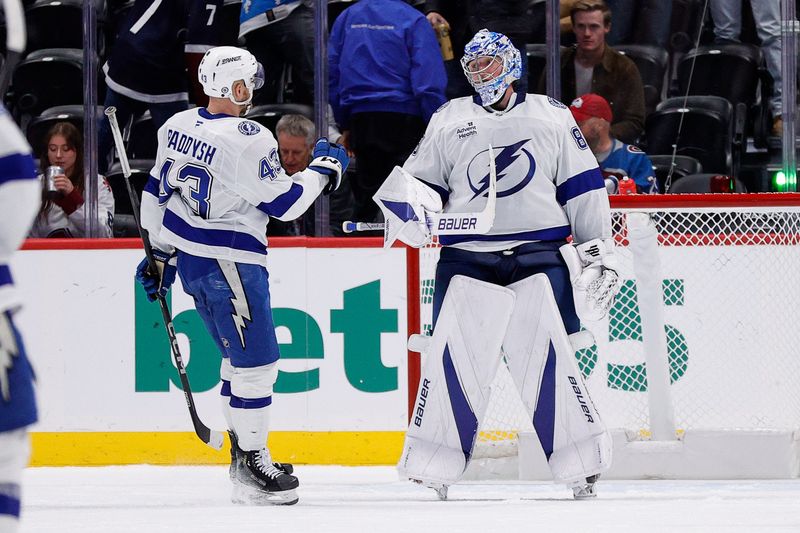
(222, 66)
(491, 63)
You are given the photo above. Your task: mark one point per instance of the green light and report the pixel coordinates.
(780, 179)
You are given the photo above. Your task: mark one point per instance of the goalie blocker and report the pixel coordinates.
(479, 322)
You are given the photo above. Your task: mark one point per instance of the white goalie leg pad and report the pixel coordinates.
(541, 359)
(251, 397)
(459, 364)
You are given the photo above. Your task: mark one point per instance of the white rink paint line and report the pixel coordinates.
(373, 499)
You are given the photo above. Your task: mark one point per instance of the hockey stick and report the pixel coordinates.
(450, 223)
(210, 437)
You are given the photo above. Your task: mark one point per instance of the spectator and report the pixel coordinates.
(594, 67)
(295, 135)
(640, 22)
(617, 160)
(280, 33)
(148, 66)
(386, 80)
(516, 19)
(727, 17)
(62, 213)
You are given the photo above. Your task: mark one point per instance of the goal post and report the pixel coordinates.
(696, 368)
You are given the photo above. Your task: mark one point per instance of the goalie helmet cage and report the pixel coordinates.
(719, 275)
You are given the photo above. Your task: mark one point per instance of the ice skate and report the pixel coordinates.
(237, 452)
(585, 490)
(259, 481)
(439, 488)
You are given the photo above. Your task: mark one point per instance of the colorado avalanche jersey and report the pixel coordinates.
(216, 181)
(628, 160)
(69, 219)
(548, 183)
(147, 62)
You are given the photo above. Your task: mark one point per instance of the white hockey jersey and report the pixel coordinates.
(58, 222)
(549, 185)
(19, 201)
(216, 181)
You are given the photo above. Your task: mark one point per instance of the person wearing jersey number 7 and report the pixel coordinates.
(216, 182)
(518, 289)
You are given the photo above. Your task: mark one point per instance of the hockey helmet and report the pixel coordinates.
(224, 65)
(491, 63)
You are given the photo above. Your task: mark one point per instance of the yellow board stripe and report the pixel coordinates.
(161, 448)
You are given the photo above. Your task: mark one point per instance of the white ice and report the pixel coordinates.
(353, 499)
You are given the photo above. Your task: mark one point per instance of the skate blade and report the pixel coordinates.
(584, 493)
(243, 495)
(438, 488)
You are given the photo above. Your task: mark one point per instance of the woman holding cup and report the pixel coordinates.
(63, 207)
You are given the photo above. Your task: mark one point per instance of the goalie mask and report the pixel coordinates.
(491, 63)
(222, 66)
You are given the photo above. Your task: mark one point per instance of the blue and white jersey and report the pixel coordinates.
(20, 197)
(216, 181)
(147, 62)
(628, 160)
(548, 183)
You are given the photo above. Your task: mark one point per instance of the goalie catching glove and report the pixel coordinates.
(330, 159)
(157, 284)
(404, 201)
(593, 272)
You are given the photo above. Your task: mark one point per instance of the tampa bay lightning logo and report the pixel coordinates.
(248, 128)
(515, 168)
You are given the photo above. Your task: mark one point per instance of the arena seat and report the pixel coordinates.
(47, 78)
(38, 127)
(59, 24)
(140, 173)
(652, 62)
(142, 138)
(701, 126)
(268, 115)
(694, 183)
(684, 165)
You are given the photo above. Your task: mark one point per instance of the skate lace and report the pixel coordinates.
(263, 462)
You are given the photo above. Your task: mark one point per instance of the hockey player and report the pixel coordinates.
(216, 181)
(19, 202)
(508, 288)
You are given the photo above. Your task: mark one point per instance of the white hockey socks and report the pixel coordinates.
(249, 403)
(459, 364)
(542, 363)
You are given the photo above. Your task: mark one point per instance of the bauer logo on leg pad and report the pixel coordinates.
(419, 412)
(579, 395)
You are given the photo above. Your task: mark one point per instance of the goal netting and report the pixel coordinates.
(709, 302)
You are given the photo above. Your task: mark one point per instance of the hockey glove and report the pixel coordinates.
(593, 273)
(330, 159)
(157, 284)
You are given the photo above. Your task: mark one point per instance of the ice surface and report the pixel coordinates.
(146, 499)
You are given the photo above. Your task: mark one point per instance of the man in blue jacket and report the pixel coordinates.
(386, 80)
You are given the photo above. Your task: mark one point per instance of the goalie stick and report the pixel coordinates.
(209, 436)
(450, 223)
